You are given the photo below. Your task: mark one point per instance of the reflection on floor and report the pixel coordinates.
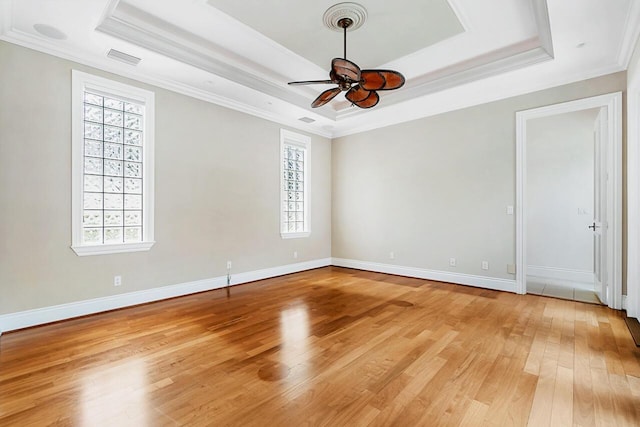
(559, 289)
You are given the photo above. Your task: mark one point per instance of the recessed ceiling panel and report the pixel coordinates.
(388, 33)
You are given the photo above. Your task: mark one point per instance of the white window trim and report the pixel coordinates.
(291, 138)
(79, 82)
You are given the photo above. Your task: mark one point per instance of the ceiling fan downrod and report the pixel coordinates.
(345, 23)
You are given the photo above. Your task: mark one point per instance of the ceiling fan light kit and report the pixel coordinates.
(360, 85)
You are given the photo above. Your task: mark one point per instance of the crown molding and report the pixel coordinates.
(631, 34)
(139, 28)
(492, 64)
(136, 26)
(6, 15)
(130, 24)
(541, 12)
(11, 35)
(519, 55)
(463, 19)
(104, 64)
(389, 116)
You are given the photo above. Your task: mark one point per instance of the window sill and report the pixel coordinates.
(112, 249)
(295, 235)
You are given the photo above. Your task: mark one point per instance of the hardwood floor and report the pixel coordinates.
(330, 347)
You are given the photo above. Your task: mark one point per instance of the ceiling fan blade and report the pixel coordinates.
(357, 94)
(311, 82)
(371, 101)
(381, 79)
(361, 97)
(325, 97)
(345, 69)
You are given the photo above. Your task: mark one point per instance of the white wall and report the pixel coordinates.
(438, 187)
(633, 185)
(217, 193)
(560, 173)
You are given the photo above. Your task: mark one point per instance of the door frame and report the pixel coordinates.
(612, 103)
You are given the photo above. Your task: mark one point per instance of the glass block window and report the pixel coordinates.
(294, 184)
(113, 176)
(112, 179)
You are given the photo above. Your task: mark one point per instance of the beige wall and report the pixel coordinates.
(216, 192)
(427, 190)
(438, 187)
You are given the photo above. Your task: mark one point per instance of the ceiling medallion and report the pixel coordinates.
(353, 11)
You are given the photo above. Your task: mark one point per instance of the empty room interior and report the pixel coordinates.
(418, 213)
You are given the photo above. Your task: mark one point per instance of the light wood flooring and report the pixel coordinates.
(328, 347)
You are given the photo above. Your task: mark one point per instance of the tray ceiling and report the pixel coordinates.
(454, 53)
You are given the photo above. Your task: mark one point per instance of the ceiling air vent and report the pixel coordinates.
(306, 119)
(123, 57)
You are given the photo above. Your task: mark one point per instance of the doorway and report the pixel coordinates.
(561, 175)
(568, 200)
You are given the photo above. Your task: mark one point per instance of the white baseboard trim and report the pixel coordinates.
(578, 276)
(506, 285)
(252, 276)
(40, 316)
(624, 302)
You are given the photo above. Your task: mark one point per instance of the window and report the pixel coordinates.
(112, 166)
(294, 184)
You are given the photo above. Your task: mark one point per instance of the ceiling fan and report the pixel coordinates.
(360, 85)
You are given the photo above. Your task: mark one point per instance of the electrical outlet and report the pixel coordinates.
(228, 265)
(392, 255)
(485, 265)
(452, 262)
(295, 254)
(509, 210)
(117, 280)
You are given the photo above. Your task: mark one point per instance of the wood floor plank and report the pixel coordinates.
(562, 404)
(328, 347)
(475, 412)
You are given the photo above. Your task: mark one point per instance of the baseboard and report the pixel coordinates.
(566, 274)
(252, 276)
(40, 316)
(506, 285)
(634, 329)
(624, 302)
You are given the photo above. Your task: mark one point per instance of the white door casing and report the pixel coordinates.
(611, 132)
(599, 206)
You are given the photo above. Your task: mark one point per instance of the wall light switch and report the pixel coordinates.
(485, 265)
(452, 262)
(392, 255)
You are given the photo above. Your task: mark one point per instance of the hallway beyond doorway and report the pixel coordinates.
(561, 289)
